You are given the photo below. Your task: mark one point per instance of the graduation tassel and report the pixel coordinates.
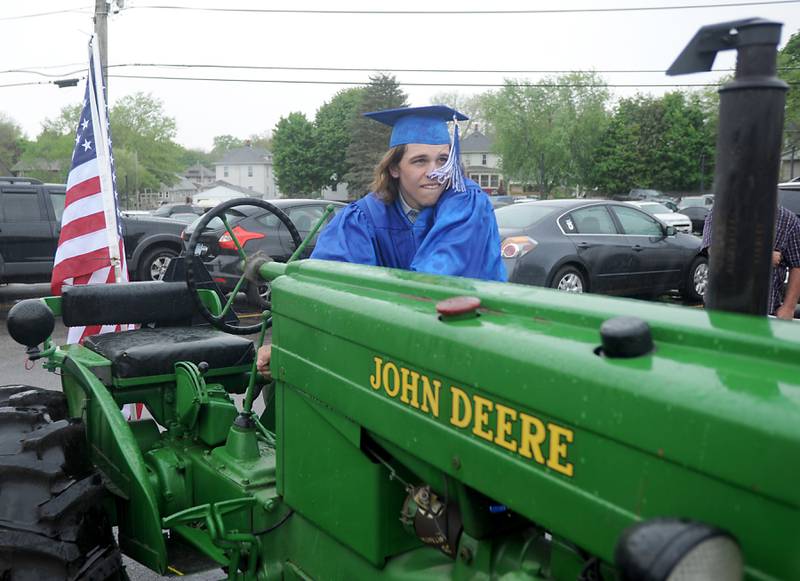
(451, 173)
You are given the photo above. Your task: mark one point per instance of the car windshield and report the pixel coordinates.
(521, 215)
(655, 208)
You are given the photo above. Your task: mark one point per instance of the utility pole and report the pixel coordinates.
(101, 31)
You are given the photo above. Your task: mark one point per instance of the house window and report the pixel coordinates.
(225, 171)
(249, 171)
(483, 159)
(484, 180)
(494, 180)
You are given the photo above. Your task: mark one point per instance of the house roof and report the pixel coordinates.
(228, 186)
(182, 185)
(199, 171)
(476, 142)
(245, 155)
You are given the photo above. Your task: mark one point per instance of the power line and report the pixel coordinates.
(51, 13)
(410, 84)
(357, 69)
(465, 12)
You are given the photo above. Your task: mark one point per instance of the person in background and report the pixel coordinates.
(422, 213)
(784, 295)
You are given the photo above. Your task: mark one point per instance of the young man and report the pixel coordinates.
(422, 213)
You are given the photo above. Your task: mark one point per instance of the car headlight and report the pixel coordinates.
(666, 549)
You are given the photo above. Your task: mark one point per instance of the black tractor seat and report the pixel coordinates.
(147, 351)
(150, 351)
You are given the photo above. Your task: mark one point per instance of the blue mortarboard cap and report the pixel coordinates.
(418, 124)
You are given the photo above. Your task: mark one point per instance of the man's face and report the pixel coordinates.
(420, 191)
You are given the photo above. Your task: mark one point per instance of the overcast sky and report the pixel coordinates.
(56, 44)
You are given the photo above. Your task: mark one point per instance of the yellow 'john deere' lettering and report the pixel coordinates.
(545, 443)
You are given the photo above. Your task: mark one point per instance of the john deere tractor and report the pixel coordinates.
(427, 427)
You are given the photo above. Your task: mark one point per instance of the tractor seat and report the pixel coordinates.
(148, 351)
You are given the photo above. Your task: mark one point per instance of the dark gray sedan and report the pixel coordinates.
(601, 247)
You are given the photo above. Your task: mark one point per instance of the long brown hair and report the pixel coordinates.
(383, 183)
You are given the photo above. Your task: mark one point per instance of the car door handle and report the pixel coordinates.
(638, 247)
(583, 245)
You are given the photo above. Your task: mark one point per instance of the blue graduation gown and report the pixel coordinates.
(458, 236)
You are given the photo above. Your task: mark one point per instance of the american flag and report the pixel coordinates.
(90, 247)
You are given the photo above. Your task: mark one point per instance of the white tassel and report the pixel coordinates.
(451, 173)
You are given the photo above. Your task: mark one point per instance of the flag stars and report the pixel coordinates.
(85, 124)
(87, 145)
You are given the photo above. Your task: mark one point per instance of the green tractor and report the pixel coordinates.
(418, 426)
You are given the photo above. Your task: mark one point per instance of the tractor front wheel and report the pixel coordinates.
(52, 524)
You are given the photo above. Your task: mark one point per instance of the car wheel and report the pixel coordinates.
(570, 279)
(696, 280)
(154, 264)
(259, 295)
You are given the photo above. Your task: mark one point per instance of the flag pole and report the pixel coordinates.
(99, 122)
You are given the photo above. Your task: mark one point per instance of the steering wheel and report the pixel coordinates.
(219, 211)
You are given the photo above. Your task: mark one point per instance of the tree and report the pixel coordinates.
(53, 146)
(11, 142)
(545, 133)
(469, 105)
(140, 127)
(293, 148)
(789, 71)
(664, 142)
(369, 139)
(333, 124)
(223, 143)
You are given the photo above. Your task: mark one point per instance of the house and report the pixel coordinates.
(221, 191)
(480, 163)
(50, 171)
(200, 175)
(250, 168)
(180, 191)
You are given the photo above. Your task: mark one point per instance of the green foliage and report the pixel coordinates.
(789, 71)
(223, 143)
(666, 143)
(140, 128)
(469, 105)
(369, 140)
(332, 124)
(189, 157)
(11, 142)
(52, 147)
(293, 154)
(545, 134)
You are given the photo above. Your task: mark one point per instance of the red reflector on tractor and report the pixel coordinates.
(242, 235)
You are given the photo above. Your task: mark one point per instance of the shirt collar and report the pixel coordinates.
(408, 211)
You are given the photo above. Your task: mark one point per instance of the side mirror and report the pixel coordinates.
(670, 231)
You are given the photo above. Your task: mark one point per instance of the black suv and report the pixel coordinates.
(30, 223)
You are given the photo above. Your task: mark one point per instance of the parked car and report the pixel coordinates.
(697, 214)
(789, 196)
(704, 201)
(30, 224)
(258, 231)
(669, 217)
(599, 246)
(645, 194)
(168, 210)
(500, 201)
